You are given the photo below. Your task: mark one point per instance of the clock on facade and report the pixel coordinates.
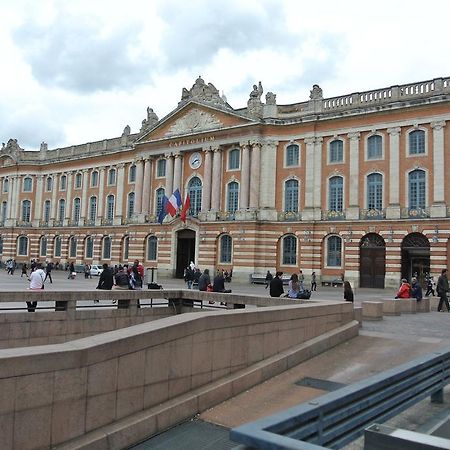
(195, 161)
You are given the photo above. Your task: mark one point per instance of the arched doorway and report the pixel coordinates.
(372, 261)
(415, 256)
(185, 250)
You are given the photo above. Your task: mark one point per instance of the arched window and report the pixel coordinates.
(375, 191)
(26, 210)
(57, 247)
(226, 245)
(336, 151)
(289, 250)
(22, 246)
(132, 174)
(152, 248)
(61, 209)
(94, 178)
(159, 199)
(76, 209)
(417, 142)
(1, 245)
(72, 247)
(334, 251)
(232, 197)
(110, 207)
(130, 209)
(63, 183)
(43, 246)
(106, 247)
(374, 147)
(78, 180)
(195, 195)
(291, 196)
(27, 184)
(89, 248)
(92, 209)
(47, 210)
(161, 168)
(49, 184)
(292, 155)
(416, 189)
(125, 248)
(233, 159)
(111, 177)
(5, 185)
(336, 194)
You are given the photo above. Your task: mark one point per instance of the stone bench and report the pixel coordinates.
(391, 307)
(408, 305)
(424, 305)
(372, 310)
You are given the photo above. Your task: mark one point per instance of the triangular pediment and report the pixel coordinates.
(194, 118)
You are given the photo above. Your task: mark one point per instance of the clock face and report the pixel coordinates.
(195, 161)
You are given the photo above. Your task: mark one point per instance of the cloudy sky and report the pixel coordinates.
(80, 71)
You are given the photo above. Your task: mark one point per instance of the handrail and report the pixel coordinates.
(337, 418)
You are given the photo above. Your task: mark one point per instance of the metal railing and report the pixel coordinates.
(337, 418)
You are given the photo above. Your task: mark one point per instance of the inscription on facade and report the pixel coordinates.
(191, 141)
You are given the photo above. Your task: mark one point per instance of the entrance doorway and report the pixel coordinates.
(185, 251)
(372, 261)
(415, 257)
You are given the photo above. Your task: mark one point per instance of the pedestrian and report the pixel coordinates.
(276, 285)
(442, 289)
(188, 277)
(313, 282)
(430, 282)
(106, 280)
(219, 284)
(48, 272)
(348, 292)
(301, 280)
(24, 270)
(87, 271)
(268, 279)
(204, 280)
(136, 274)
(36, 284)
(72, 273)
(122, 279)
(404, 290)
(416, 289)
(197, 275)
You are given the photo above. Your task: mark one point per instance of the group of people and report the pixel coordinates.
(296, 288)
(126, 277)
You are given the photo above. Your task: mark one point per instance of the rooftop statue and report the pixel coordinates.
(316, 93)
(204, 93)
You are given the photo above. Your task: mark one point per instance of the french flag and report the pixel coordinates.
(174, 203)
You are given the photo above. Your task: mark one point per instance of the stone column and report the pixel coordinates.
(268, 181)
(177, 172)
(438, 208)
(146, 187)
(393, 209)
(245, 177)
(85, 187)
(217, 177)
(16, 204)
(169, 175)
(309, 172)
(101, 194)
(207, 172)
(38, 200)
(69, 188)
(54, 197)
(119, 194)
(255, 175)
(317, 202)
(138, 187)
(352, 212)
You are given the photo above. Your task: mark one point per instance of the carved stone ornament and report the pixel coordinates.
(204, 93)
(316, 93)
(194, 120)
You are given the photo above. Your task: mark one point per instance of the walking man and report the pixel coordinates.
(442, 289)
(48, 272)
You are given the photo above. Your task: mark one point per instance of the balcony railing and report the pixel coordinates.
(226, 215)
(107, 221)
(372, 214)
(89, 223)
(23, 223)
(415, 213)
(289, 216)
(75, 223)
(333, 215)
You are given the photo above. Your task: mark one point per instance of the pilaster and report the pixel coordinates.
(438, 207)
(393, 208)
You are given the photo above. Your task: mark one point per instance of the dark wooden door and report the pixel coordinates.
(185, 254)
(372, 267)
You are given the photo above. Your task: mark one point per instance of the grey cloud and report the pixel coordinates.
(72, 54)
(197, 30)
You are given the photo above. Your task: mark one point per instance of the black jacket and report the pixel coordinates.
(276, 287)
(106, 280)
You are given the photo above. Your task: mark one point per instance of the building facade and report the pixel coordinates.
(354, 185)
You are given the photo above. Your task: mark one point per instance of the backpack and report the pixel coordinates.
(305, 295)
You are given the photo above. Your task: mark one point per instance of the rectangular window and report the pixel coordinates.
(292, 155)
(161, 168)
(334, 258)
